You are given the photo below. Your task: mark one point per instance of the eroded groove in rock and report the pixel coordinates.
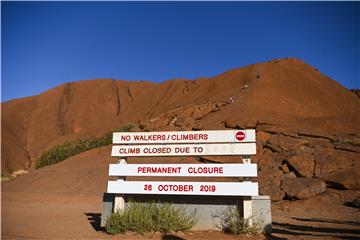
(314, 136)
(27, 153)
(130, 94)
(118, 104)
(63, 107)
(26, 142)
(346, 148)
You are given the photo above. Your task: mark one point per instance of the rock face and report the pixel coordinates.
(303, 164)
(302, 188)
(339, 168)
(307, 125)
(356, 202)
(271, 185)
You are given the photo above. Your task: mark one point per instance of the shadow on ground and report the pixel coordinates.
(171, 237)
(327, 221)
(287, 230)
(95, 220)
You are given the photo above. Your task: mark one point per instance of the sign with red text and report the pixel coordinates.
(213, 136)
(184, 170)
(184, 188)
(183, 150)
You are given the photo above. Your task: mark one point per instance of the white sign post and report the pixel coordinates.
(184, 143)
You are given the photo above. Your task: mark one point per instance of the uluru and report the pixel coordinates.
(307, 127)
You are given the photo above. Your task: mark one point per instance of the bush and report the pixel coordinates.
(170, 218)
(150, 217)
(233, 223)
(63, 151)
(5, 178)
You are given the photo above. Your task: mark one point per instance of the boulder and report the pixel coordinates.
(269, 183)
(266, 160)
(303, 164)
(302, 188)
(338, 168)
(269, 159)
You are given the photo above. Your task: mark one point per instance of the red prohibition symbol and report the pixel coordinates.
(240, 136)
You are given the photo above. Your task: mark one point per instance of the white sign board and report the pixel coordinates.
(184, 170)
(214, 136)
(184, 188)
(184, 150)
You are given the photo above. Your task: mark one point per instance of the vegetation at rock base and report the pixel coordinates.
(5, 178)
(232, 222)
(63, 151)
(150, 217)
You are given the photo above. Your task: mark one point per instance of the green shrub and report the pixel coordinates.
(233, 223)
(5, 178)
(150, 217)
(63, 151)
(169, 218)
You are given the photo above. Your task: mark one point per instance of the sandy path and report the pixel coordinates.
(27, 215)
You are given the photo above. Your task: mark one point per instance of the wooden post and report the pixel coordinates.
(119, 200)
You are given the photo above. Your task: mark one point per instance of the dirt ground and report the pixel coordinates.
(36, 216)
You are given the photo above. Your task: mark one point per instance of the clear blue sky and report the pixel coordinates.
(45, 44)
